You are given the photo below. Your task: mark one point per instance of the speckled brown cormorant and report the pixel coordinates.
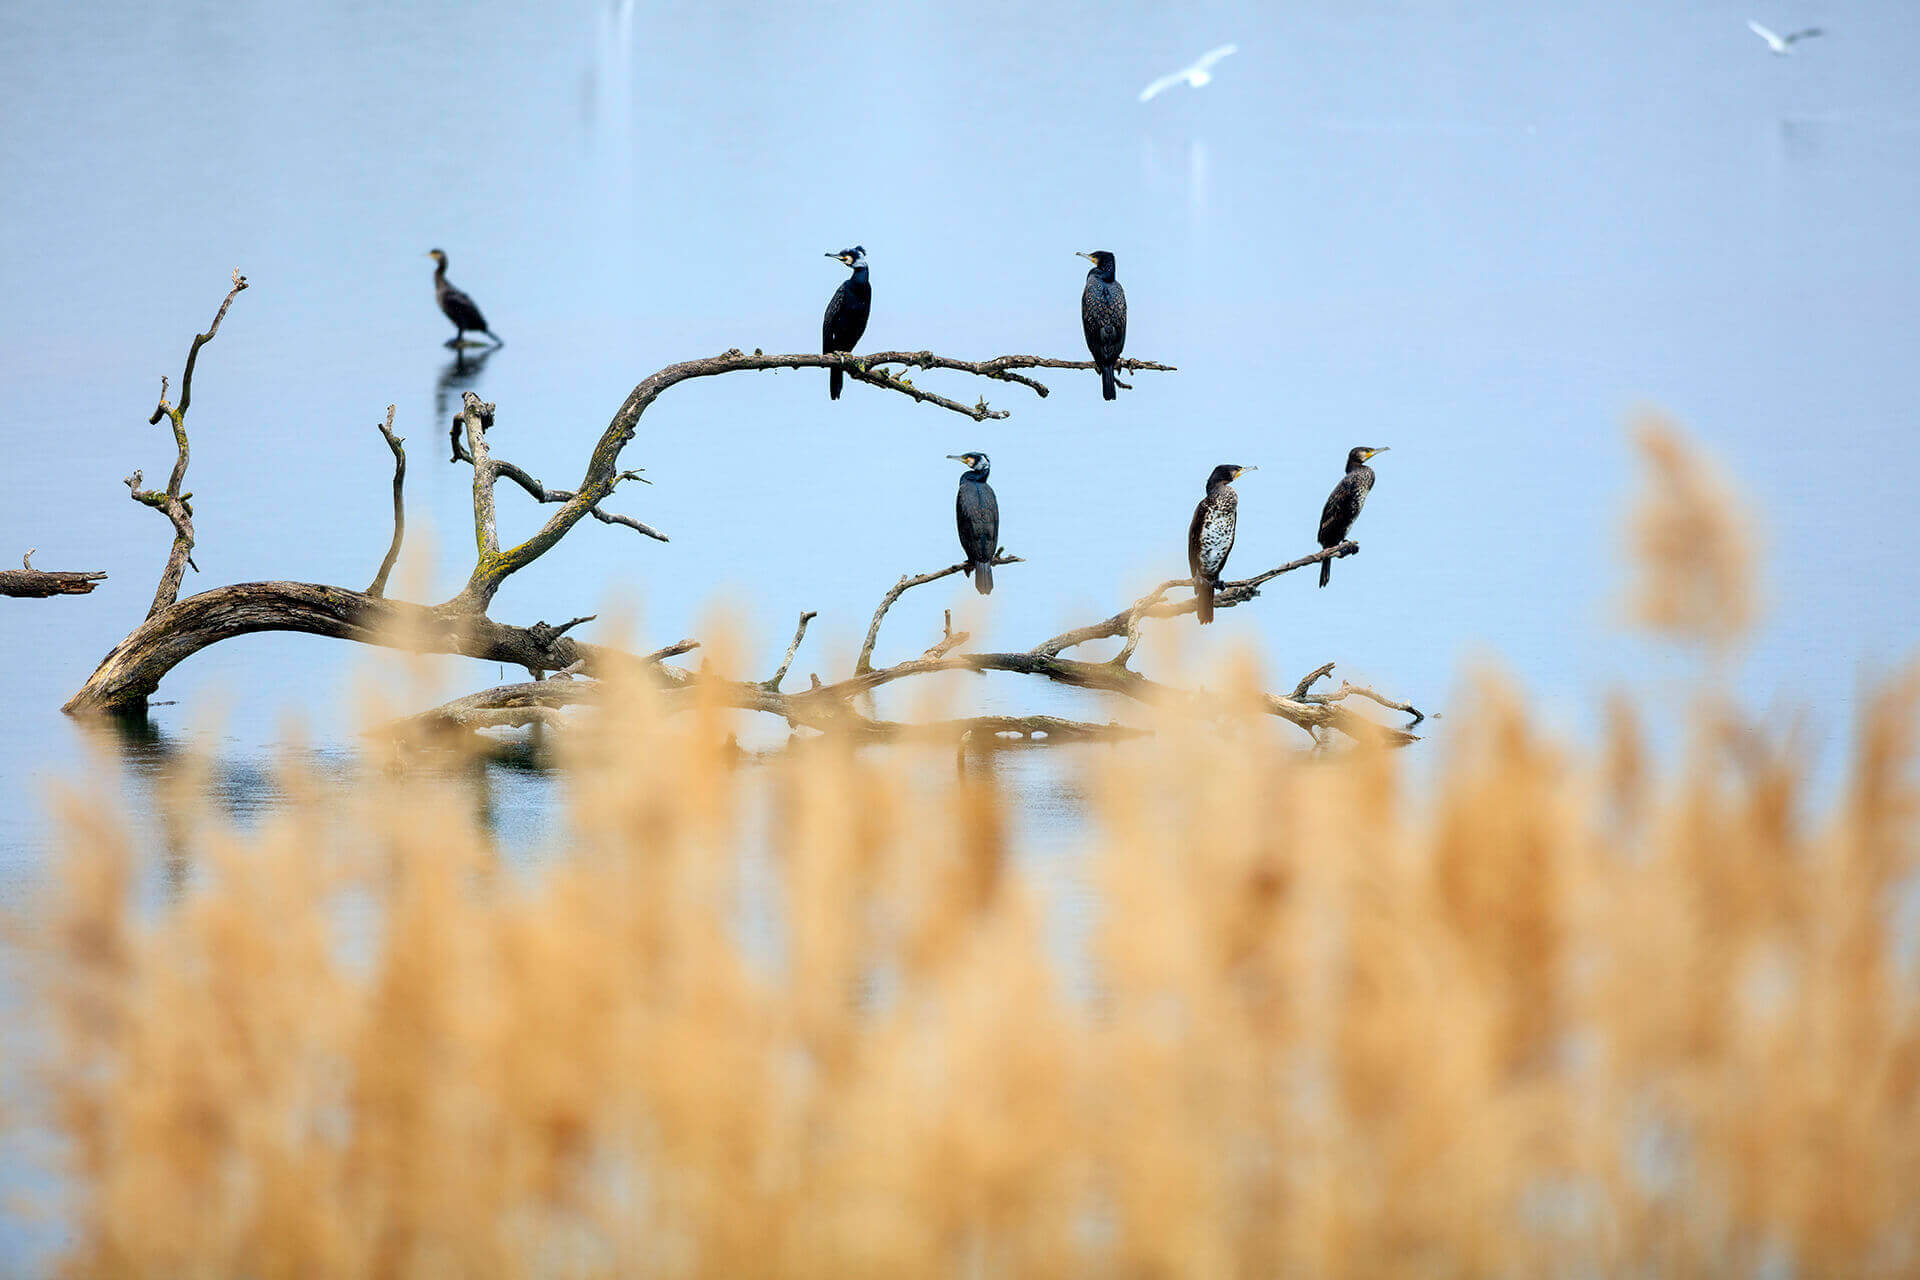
(1210, 536)
(1344, 503)
(977, 512)
(1103, 317)
(846, 317)
(457, 305)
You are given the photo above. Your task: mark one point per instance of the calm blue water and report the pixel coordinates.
(1480, 234)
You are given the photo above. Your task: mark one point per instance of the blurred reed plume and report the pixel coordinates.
(809, 1016)
(815, 1015)
(1692, 543)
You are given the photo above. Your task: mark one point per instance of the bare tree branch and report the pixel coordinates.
(1306, 681)
(999, 368)
(603, 467)
(540, 493)
(1153, 605)
(673, 650)
(395, 443)
(172, 503)
(540, 703)
(949, 638)
(476, 416)
(129, 674)
(799, 632)
(1356, 690)
(30, 583)
(865, 661)
(547, 634)
(481, 710)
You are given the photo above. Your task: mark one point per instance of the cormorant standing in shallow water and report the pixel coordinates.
(978, 513)
(1344, 503)
(846, 317)
(457, 305)
(1210, 536)
(1103, 317)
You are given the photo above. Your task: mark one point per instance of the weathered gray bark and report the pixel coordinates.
(30, 583)
(398, 445)
(835, 707)
(133, 670)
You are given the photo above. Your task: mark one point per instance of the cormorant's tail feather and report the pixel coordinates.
(834, 379)
(1203, 592)
(1106, 383)
(983, 578)
(1326, 570)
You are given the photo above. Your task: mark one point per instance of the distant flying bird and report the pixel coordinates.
(1195, 75)
(1781, 45)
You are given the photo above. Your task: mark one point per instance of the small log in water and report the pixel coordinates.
(30, 583)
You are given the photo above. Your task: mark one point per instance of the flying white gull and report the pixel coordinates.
(1781, 45)
(1195, 75)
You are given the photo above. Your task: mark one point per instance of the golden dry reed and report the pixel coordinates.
(815, 1016)
(1692, 542)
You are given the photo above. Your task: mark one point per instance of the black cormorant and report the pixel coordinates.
(457, 305)
(1103, 317)
(1344, 503)
(846, 317)
(977, 512)
(1210, 536)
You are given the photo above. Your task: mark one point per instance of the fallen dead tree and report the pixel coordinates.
(175, 629)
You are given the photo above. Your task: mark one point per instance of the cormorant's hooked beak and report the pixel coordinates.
(1374, 453)
(1087, 256)
(967, 458)
(1242, 471)
(845, 259)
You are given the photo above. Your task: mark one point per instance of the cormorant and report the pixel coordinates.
(1344, 503)
(1103, 317)
(457, 305)
(846, 317)
(1210, 536)
(977, 512)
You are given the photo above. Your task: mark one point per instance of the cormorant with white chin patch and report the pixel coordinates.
(1344, 503)
(846, 317)
(1103, 317)
(978, 513)
(457, 306)
(1210, 536)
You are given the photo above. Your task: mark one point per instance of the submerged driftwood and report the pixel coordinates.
(30, 583)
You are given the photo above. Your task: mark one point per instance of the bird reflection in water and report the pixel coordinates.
(459, 374)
